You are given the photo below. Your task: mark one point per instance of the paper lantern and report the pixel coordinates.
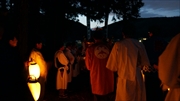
(34, 72)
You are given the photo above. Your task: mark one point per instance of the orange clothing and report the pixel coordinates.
(102, 79)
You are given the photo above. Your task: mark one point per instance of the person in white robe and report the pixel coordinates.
(128, 57)
(169, 69)
(62, 76)
(37, 57)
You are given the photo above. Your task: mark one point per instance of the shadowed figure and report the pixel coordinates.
(13, 85)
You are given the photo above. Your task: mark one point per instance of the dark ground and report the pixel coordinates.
(81, 89)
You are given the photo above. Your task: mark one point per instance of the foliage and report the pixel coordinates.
(98, 9)
(95, 9)
(127, 9)
(68, 8)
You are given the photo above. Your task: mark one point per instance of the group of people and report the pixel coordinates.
(66, 60)
(14, 71)
(130, 59)
(126, 57)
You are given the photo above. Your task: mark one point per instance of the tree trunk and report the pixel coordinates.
(88, 28)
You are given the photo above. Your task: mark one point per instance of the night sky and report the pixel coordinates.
(151, 8)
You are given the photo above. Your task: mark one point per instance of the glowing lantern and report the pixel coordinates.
(33, 84)
(34, 72)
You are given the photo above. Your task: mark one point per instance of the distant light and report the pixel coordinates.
(140, 40)
(168, 89)
(144, 38)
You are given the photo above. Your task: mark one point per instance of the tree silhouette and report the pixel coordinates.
(56, 13)
(127, 9)
(99, 10)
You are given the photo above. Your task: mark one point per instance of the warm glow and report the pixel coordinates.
(34, 71)
(35, 89)
(144, 38)
(140, 41)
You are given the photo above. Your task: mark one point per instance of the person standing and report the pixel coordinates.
(13, 84)
(128, 57)
(154, 46)
(101, 79)
(169, 69)
(37, 57)
(61, 63)
(71, 59)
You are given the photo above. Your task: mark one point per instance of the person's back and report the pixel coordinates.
(128, 57)
(102, 79)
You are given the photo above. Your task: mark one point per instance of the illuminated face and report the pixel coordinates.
(13, 42)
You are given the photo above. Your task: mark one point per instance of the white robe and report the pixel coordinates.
(169, 69)
(127, 58)
(70, 57)
(61, 81)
